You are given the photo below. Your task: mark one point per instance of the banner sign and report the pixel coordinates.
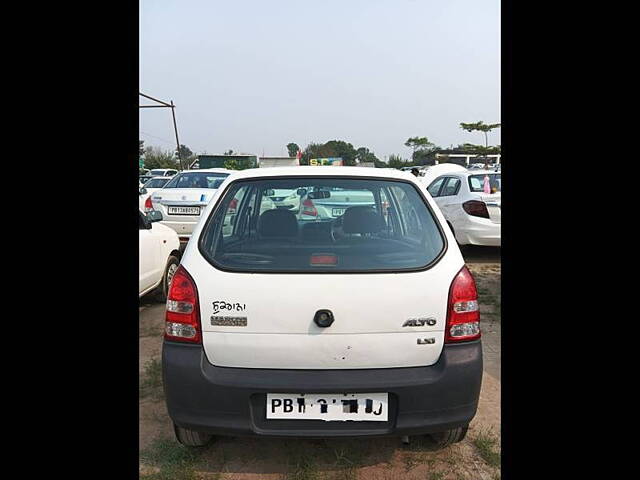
(335, 161)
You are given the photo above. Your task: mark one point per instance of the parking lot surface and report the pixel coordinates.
(476, 457)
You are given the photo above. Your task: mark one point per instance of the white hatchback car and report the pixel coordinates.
(364, 323)
(184, 197)
(158, 255)
(473, 215)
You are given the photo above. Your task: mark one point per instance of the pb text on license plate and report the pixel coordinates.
(328, 406)
(184, 210)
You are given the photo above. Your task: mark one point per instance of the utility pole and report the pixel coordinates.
(173, 114)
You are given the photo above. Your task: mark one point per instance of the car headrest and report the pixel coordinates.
(278, 223)
(362, 219)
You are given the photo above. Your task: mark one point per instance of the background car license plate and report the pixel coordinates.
(183, 210)
(336, 212)
(328, 406)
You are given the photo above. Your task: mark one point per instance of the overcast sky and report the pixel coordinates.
(254, 75)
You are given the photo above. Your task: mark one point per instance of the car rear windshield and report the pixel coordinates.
(197, 180)
(320, 224)
(476, 182)
(156, 182)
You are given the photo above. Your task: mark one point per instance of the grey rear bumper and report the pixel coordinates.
(232, 401)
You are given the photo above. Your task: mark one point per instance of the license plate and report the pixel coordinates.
(328, 406)
(336, 212)
(183, 210)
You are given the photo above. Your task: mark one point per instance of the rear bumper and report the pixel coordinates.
(478, 232)
(231, 401)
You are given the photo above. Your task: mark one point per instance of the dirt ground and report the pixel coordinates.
(475, 458)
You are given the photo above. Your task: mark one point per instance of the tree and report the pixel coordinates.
(396, 161)
(185, 156)
(185, 152)
(228, 152)
(156, 158)
(363, 154)
(340, 149)
(141, 148)
(484, 128)
(343, 150)
(418, 143)
(292, 148)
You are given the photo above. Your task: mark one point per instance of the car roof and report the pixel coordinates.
(322, 171)
(210, 170)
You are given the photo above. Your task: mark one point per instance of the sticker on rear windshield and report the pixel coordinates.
(222, 305)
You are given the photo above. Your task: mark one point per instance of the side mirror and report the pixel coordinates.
(301, 192)
(154, 216)
(143, 191)
(270, 192)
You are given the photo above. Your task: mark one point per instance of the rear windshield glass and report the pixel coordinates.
(321, 224)
(156, 182)
(197, 180)
(476, 182)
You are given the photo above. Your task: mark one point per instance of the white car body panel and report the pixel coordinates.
(370, 308)
(154, 247)
(435, 171)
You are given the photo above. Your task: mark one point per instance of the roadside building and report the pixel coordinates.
(265, 162)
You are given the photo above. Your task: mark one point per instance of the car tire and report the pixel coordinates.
(448, 437)
(191, 438)
(169, 272)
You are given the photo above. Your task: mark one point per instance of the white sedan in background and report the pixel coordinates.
(159, 250)
(150, 186)
(184, 197)
(472, 214)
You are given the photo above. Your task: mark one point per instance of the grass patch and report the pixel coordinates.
(436, 475)
(151, 381)
(487, 447)
(175, 462)
(301, 463)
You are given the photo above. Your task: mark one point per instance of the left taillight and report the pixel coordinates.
(148, 206)
(182, 318)
(463, 313)
(476, 208)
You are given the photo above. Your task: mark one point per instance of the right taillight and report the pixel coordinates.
(182, 318)
(148, 206)
(476, 208)
(463, 314)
